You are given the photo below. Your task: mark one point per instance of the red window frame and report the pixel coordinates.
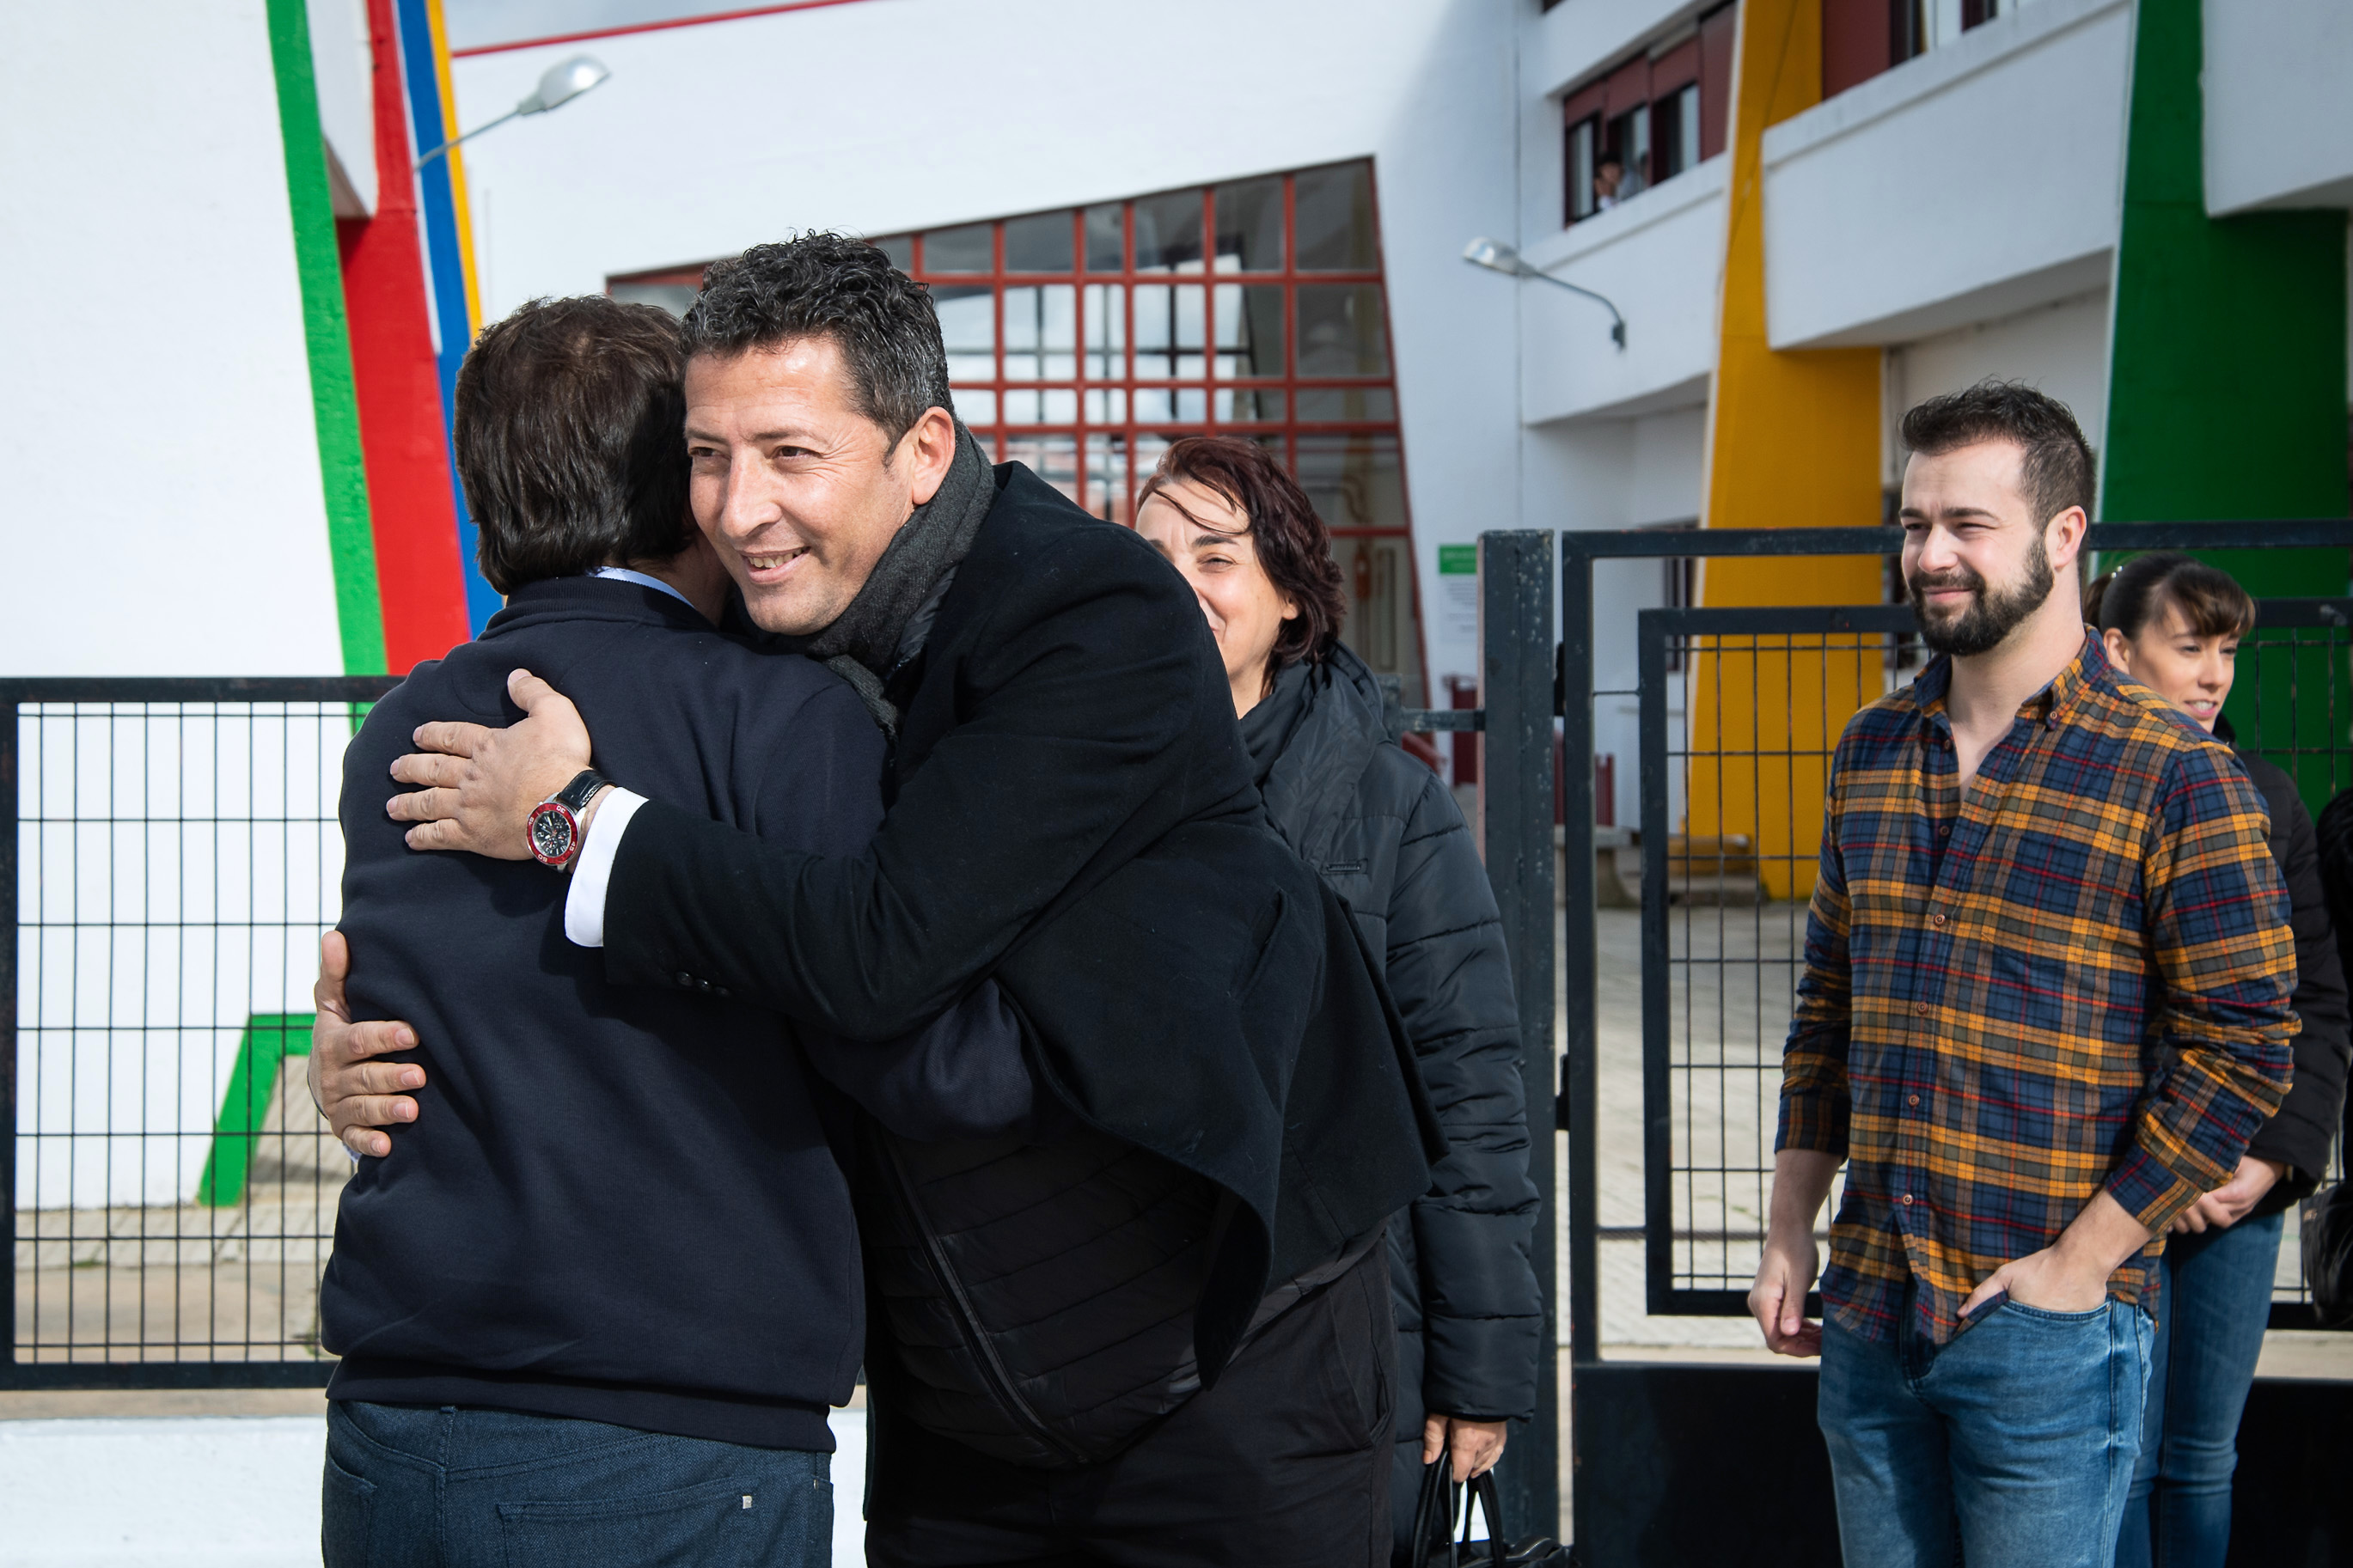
(1003, 435)
(1134, 435)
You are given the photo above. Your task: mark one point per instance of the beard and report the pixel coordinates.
(1992, 613)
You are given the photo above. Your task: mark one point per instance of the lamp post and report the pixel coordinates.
(1496, 256)
(558, 85)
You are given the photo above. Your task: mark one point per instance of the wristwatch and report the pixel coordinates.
(554, 823)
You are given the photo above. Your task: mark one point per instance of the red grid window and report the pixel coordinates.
(1082, 341)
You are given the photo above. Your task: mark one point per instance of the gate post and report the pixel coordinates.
(1515, 794)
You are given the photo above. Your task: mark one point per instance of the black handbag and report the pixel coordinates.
(1433, 1525)
(2328, 1226)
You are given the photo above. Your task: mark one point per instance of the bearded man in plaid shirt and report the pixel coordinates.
(2045, 1006)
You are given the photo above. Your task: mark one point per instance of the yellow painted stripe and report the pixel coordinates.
(1792, 441)
(454, 159)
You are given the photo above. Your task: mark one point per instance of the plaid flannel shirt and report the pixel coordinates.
(2074, 976)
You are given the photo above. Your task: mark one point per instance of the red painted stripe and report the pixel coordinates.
(402, 441)
(696, 21)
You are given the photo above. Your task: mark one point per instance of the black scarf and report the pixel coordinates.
(885, 625)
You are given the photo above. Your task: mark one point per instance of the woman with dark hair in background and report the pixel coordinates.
(2173, 624)
(1385, 832)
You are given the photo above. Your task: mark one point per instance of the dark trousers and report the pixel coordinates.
(414, 1487)
(1285, 1460)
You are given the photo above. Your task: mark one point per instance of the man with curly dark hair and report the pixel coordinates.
(1156, 1327)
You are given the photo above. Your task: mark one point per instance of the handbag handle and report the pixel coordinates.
(1483, 1489)
(1437, 1482)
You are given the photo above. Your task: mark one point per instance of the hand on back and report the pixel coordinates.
(480, 783)
(356, 1092)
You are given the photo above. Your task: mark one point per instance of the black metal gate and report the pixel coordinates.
(169, 854)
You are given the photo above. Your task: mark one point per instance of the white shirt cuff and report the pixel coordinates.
(584, 907)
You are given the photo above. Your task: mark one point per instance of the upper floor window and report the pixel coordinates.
(1648, 118)
(1082, 342)
(1862, 38)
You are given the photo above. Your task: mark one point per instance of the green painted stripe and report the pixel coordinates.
(351, 545)
(268, 1039)
(2227, 368)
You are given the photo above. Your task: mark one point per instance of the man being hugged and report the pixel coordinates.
(2044, 1007)
(596, 1305)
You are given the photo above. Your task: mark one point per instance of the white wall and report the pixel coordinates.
(2279, 104)
(2058, 349)
(160, 502)
(898, 114)
(1619, 473)
(1970, 182)
(344, 66)
(1659, 257)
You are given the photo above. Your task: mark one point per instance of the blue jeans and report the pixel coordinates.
(2011, 1447)
(411, 1486)
(2216, 1299)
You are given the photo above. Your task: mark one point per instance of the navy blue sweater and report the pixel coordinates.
(617, 1203)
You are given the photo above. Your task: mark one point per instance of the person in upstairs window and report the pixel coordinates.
(2044, 1011)
(1608, 175)
(1385, 834)
(2174, 623)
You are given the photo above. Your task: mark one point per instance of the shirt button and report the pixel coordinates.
(683, 978)
(1921, 1008)
(1946, 831)
(1937, 920)
(1907, 1200)
(1911, 1100)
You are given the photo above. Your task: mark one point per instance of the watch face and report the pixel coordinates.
(554, 833)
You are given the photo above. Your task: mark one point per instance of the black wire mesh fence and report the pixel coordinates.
(173, 858)
(1740, 710)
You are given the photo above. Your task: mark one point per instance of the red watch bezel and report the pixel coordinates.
(572, 826)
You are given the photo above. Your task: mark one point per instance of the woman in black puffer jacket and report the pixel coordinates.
(1385, 832)
(2173, 624)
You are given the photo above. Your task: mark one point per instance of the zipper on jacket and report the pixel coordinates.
(1001, 1381)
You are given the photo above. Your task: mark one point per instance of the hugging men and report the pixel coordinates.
(1149, 1322)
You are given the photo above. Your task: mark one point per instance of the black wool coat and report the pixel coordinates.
(1384, 833)
(1071, 811)
(2299, 1135)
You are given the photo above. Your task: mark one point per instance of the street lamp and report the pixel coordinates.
(558, 85)
(1496, 256)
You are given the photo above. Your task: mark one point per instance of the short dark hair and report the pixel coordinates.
(1293, 546)
(2055, 470)
(570, 435)
(2128, 598)
(830, 285)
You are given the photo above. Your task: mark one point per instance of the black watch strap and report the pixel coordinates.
(574, 796)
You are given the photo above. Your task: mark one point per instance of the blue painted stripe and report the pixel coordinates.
(445, 271)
